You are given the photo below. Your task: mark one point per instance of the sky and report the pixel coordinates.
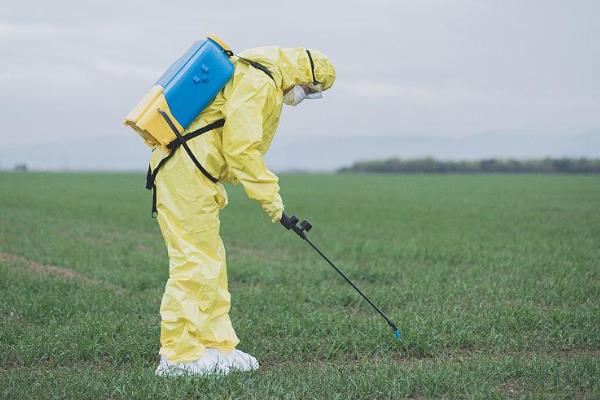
(450, 79)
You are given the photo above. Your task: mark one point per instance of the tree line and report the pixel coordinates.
(492, 165)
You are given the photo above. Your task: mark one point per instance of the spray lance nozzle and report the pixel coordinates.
(291, 223)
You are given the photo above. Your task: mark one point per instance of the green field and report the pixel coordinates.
(494, 281)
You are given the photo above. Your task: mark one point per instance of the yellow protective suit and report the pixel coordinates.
(196, 303)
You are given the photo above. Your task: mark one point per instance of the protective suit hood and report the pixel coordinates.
(292, 65)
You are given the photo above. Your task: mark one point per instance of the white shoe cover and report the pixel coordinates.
(212, 361)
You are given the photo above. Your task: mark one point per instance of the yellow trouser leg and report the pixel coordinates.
(196, 303)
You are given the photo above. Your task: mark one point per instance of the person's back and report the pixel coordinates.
(196, 303)
(249, 88)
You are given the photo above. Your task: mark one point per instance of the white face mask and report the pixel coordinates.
(295, 95)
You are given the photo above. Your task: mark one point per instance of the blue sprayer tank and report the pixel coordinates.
(183, 91)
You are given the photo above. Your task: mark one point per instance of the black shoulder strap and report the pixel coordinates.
(151, 178)
(257, 65)
(213, 125)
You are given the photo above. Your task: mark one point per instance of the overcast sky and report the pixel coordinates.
(71, 70)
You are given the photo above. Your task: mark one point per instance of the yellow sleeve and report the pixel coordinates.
(249, 103)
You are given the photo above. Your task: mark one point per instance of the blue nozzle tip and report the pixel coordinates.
(397, 334)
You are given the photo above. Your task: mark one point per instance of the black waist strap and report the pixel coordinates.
(213, 125)
(173, 146)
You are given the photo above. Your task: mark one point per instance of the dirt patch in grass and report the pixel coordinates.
(41, 268)
(518, 389)
(61, 272)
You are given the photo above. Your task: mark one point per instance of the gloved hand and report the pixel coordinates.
(274, 209)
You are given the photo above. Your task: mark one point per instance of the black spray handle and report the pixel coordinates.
(292, 223)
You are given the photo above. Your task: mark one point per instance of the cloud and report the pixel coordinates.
(34, 31)
(120, 69)
(384, 90)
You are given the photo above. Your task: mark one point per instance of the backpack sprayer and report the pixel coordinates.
(291, 223)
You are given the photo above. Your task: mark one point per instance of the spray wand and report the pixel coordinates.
(291, 223)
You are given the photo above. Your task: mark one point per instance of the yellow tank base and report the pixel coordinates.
(145, 119)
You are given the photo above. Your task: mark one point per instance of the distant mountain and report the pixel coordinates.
(330, 153)
(126, 152)
(114, 152)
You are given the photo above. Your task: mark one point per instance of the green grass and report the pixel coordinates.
(494, 281)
